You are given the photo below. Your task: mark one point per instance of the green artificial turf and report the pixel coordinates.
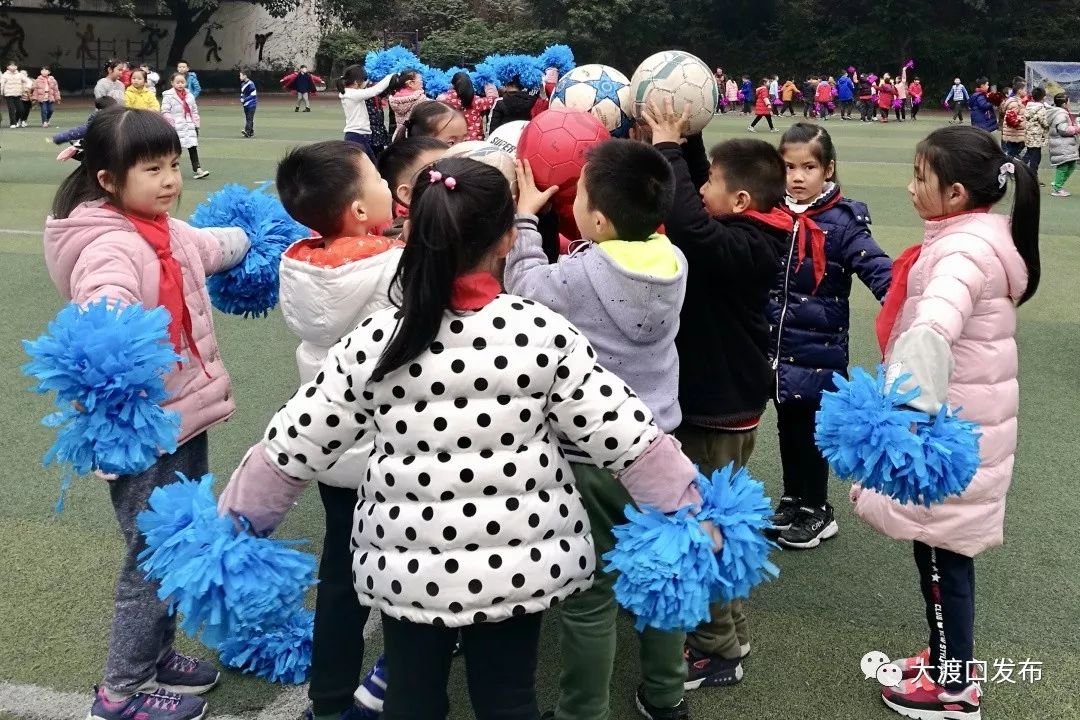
(810, 628)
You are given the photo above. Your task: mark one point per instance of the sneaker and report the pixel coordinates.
(22, 124)
(744, 651)
(704, 670)
(751, 129)
(296, 109)
(307, 109)
(372, 688)
(786, 511)
(679, 712)
(183, 674)
(926, 700)
(811, 526)
(911, 666)
(1060, 193)
(775, 130)
(157, 705)
(44, 124)
(200, 174)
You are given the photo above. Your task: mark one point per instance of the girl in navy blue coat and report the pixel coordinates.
(809, 319)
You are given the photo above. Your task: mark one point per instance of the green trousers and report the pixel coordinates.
(1062, 173)
(587, 650)
(728, 627)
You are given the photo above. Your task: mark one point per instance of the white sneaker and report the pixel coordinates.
(22, 124)
(1060, 193)
(200, 174)
(751, 129)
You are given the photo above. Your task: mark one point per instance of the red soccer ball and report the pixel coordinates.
(555, 143)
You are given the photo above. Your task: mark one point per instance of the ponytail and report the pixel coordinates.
(451, 229)
(350, 76)
(1025, 226)
(463, 86)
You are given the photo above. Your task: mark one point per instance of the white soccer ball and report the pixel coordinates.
(483, 151)
(506, 136)
(683, 78)
(597, 89)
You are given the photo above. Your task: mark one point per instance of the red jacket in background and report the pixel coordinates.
(761, 104)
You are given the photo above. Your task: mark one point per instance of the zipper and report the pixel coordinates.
(784, 307)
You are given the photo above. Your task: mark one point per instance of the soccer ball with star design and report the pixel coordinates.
(597, 89)
(680, 76)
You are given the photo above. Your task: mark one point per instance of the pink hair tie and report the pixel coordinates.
(435, 176)
(450, 183)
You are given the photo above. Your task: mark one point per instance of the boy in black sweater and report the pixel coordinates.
(733, 236)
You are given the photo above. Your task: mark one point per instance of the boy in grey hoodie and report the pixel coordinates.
(623, 287)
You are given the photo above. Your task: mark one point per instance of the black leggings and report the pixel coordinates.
(757, 119)
(915, 110)
(947, 580)
(806, 472)
(193, 153)
(789, 106)
(14, 108)
(500, 667)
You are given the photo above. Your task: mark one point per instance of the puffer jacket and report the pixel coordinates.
(45, 89)
(1012, 134)
(983, 114)
(1036, 124)
(321, 305)
(845, 89)
(513, 105)
(963, 290)
(468, 512)
(11, 84)
(186, 124)
(96, 253)
(401, 104)
(761, 101)
(809, 329)
(1062, 138)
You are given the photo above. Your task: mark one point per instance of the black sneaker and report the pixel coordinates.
(786, 511)
(296, 109)
(679, 712)
(710, 670)
(811, 526)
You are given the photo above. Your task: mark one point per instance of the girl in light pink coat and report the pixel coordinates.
(949, 321)
(110, 237)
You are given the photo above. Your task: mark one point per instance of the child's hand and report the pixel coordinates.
(854, 493)
(531, 200)
(666, 126)
(714, 533)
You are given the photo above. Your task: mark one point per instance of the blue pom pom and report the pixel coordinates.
(112, 361)
(864, 429)
(557, 56)
(436, 81)
(950, 458)
(737, 505)
(281, 653)
(524, 69)
(667, 568)
(220, 578)
(250, 288)
(380, 63)
(483, 75)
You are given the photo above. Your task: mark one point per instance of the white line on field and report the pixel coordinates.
(12, 231)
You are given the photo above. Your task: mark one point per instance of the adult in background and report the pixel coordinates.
(109, 85)
(721, 83)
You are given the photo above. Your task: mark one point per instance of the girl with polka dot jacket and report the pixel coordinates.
(468, 517)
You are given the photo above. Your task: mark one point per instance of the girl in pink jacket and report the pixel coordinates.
(949, 321)
(110, 236)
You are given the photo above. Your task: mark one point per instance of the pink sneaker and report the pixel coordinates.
(911, 666)
(923, 699)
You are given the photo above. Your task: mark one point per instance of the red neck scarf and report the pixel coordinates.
(171, 281)
(473, 291)
(810, 237)
(182, 95)
(775, 218)
(897, 294)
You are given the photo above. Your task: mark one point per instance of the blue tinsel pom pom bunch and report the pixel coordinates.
(869, 434)
(495, 69)
(380, 63)
(668, 569)
(250, 288)
(111, 360)
(279, 654)
(560, 57)
(225, 582)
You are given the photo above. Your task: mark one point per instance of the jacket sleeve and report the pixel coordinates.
(697, 160)
(528, 272)
(193, 84)
(369, 92)
(863, 256)
(220, 248)
(596, 411)
(482, 103)
(168, 107)
(107, 268)
(496, 116)
(68, 136)
(195, 118)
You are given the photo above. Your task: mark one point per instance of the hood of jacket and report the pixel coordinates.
(518, 101)
(66, 238)
(993, 229)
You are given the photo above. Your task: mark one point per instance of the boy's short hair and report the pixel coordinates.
(104, 101)
(317, 182)
(632, 184)
(1038, 94)
(754, 166)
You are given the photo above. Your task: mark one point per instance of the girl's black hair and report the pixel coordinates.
(172, 76)
(450, 232)
(821, 144)
(395, 159)
(110, 66)
(116, 139)
(464, 88)
(428, 118)
(970, 156)
(351, 75)
(399, 80)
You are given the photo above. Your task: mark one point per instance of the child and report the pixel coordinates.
(354, 97)
(1062, 141)
(864, 90)
(432, 118)
(762, 109)
(110, 237)
(746, 89)
(410, 92)
(900, 103)
(304, 84)
(513, 104)
(1036, 129)
(624, 290)
(380, 137)
(399, 166)
(180, 109)
(45, 93)
(328, 285)
(845, 95)
(915, 90)
(809, 315)
(957, 98)
(949, 321)
(733, 236)
(983, 114)
(731, 90)
(26, 98)
(79, 131)
(462, 97)
(468, 520)
(190, 78)
(11, 87)
(1012, 120)
(152, 78)
(249, 100)
(109, 84)
(138, 96)
(823, 97)
(886, 93)
(787, 95)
